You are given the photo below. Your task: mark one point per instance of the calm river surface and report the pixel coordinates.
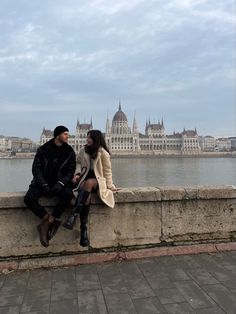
(15, 174)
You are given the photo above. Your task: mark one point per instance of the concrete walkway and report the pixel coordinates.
(203, 284)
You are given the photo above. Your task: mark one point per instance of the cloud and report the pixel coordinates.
(88, 54)
(35, 108)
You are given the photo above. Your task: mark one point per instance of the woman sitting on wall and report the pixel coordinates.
(93, 175)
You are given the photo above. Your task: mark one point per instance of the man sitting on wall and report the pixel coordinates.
(53, 169)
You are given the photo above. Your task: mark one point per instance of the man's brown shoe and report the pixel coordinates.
(43, 232)
(53, 228)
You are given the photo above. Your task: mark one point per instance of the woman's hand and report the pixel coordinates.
(114, 189)
(76, 179)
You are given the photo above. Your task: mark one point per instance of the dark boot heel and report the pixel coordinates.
(70, 223)
(84, 241)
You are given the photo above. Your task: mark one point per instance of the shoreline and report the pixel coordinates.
(172, 156)
(140, 156)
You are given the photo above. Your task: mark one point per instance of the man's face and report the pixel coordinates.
(63, 137)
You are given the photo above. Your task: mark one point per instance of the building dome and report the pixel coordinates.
(120, 116)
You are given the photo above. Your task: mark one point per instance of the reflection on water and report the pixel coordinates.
(16, 173)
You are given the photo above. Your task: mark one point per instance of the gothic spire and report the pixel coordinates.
(135, 125)
(108, 123)
(119, 106)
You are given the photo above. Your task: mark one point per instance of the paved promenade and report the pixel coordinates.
(203, 284)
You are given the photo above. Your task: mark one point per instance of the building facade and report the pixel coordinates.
(233, 143)
(120, 138)
(208, 143)
(5, 144)
(223, 145)
(81, 135)
(16, 145)
(123, 139)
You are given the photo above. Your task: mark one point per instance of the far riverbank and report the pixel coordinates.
(151, 155)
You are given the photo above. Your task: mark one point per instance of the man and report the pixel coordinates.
(53, 169)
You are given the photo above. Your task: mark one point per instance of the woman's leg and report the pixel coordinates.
(89, 185)
(83, 199)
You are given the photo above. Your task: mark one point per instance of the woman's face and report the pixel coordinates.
(89, 141)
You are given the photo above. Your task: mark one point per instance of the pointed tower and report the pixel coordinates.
(43, 130)
(146, 126)
(108, 127)
(91, 123)
(162, 123)
(135, 125)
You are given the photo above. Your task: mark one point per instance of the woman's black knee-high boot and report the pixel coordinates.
(81, 200)
(84, 241)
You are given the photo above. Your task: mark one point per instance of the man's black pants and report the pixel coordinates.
(35, 192)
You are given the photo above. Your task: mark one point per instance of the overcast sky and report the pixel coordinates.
(66, 60)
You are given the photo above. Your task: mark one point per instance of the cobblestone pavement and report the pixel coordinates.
(202, 284)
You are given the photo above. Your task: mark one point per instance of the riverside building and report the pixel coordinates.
(123, 139)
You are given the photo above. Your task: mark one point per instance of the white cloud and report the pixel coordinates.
(206, 10)
(94, 52)
(36, 108)
(109, 7)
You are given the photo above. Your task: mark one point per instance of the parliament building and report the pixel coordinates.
(123, 139)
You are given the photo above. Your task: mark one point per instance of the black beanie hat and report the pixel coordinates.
(60, 129)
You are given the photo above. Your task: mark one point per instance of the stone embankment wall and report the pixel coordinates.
(142, 217)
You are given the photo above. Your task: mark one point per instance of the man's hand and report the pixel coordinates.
(57, 187)
(46, 188)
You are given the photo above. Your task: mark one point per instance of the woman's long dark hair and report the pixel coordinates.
(98, 141)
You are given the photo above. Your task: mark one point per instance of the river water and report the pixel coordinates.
(15, 174)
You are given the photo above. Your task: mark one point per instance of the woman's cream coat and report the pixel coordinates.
(103, 173)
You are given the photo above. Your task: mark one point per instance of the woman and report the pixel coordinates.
(94, 175)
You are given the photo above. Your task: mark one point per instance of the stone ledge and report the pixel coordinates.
(142, 217)
(142, 194)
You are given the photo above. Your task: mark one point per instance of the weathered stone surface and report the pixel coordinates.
(191, 192)
(142, 216)
(12, 200)
(216, 192)
(172, 193)
(132, 224)
(19, 236)
(144, 194)
(198, 219)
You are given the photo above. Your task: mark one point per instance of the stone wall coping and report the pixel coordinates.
(139, 194)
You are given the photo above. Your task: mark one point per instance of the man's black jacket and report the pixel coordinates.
(65, 168)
